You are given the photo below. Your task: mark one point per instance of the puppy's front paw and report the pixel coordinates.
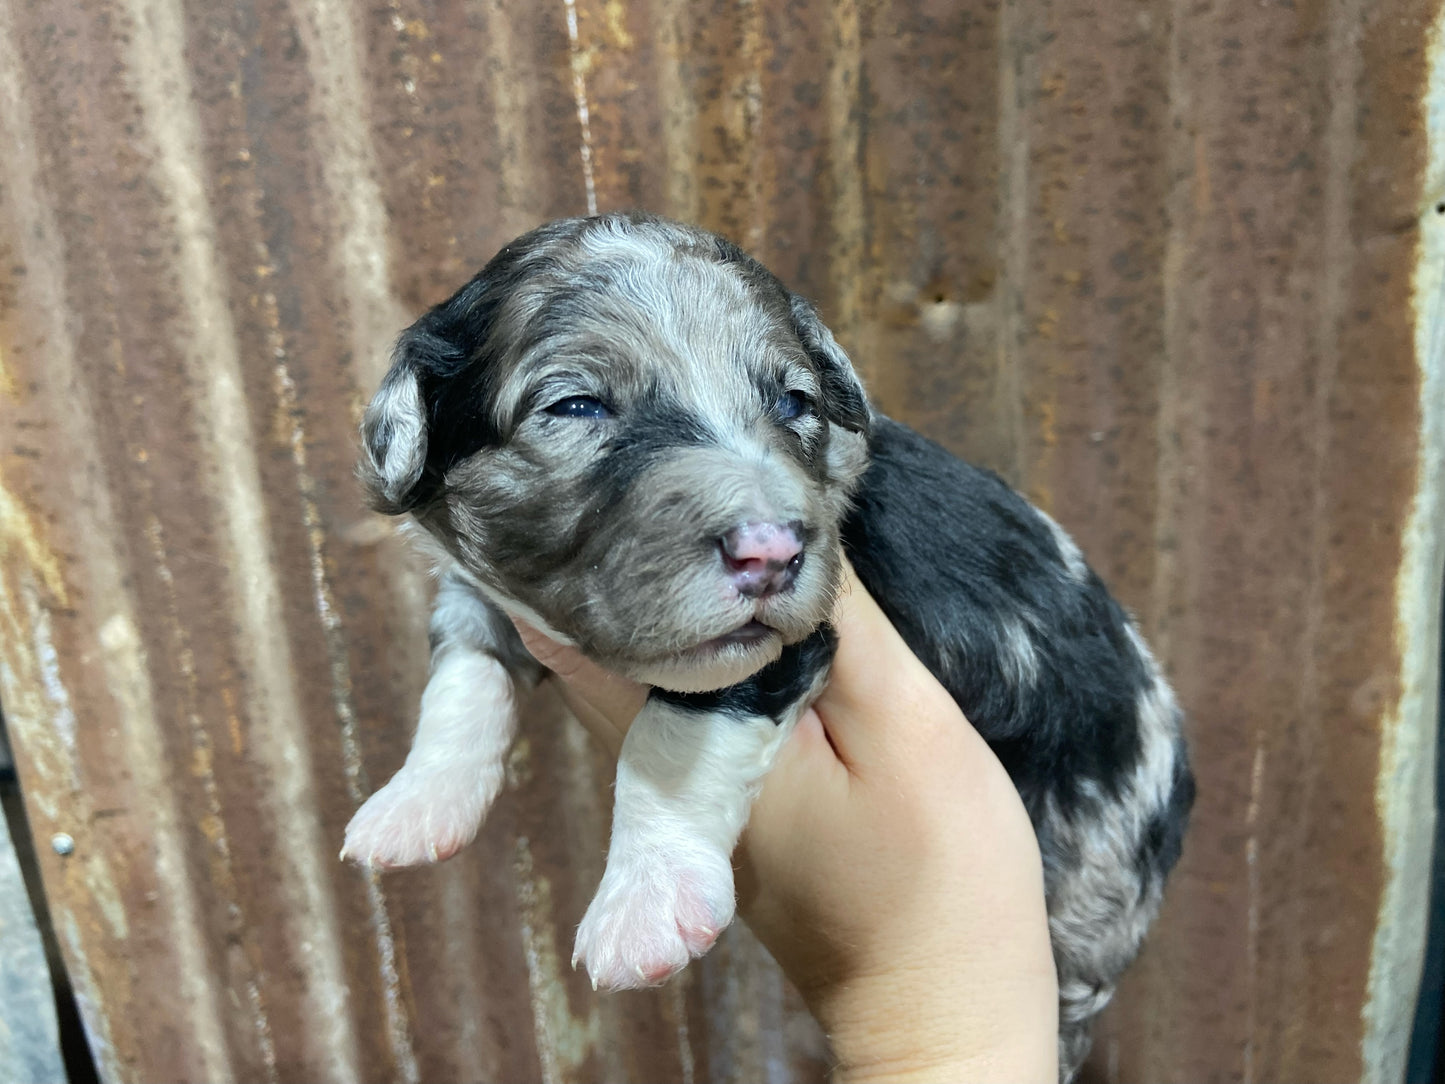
(422, 815)
(653, 913)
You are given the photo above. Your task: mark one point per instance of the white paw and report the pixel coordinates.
(422, 815)
(653, 913)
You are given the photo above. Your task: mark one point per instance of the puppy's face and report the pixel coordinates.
(630, 434)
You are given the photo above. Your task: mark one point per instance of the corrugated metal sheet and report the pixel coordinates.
(1154, 261)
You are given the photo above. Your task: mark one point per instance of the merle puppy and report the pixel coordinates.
(628, 433)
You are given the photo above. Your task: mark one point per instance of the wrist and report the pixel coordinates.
(917, 1025)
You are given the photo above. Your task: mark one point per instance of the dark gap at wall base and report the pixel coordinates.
(74, 1048)
(1425, 1064)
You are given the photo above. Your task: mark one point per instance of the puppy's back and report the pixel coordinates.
(996, 600)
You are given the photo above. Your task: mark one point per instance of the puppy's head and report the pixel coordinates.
(631, 434)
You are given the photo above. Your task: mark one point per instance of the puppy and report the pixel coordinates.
(629, 434)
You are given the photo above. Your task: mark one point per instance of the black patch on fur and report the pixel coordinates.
(652, 426)
(953, 555)
(760, 281)
(843, 400)
(773, 690)
(459, 402)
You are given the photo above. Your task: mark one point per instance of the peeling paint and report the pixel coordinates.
(62, 715)
(37, 703)
(20, 541)
(519, 763)
(1405, 788)
(579, 91)
(90, 1000)
(563, 1040)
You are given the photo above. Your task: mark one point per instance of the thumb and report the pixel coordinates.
(880, 702)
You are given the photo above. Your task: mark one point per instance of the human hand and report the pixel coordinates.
(889, 866)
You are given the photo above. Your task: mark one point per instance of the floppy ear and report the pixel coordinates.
(395, 431)
(844, 401)
(432, 409)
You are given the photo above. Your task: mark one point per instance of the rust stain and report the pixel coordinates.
(290, 431)
(21, 543)
(846, 254)
(349, 170)
(679, 110)
(212, 823)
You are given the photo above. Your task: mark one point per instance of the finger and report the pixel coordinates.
(806, 768)
(807, 784)
(604, 730)
(880, 702)
(603, 702)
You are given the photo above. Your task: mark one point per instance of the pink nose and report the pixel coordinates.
(762, 559)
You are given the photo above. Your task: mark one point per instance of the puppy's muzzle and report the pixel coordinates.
(762, 559)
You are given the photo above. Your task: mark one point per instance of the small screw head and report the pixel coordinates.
(62, 844)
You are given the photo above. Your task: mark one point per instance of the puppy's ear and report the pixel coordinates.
(432, 410)
(844, 401)
(395, 431)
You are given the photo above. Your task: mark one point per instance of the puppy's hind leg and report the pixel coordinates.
(434, 805)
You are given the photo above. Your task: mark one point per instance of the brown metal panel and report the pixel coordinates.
(1151, 261)
(1291, 436)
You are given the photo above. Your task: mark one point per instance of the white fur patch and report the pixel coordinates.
(685, 784)
(434, 805)
(1017, 655)
(1068, 549)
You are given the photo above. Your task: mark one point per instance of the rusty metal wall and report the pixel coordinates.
(1169, 265)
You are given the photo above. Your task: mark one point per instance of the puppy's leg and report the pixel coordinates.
(433, 806)
(686, 778)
